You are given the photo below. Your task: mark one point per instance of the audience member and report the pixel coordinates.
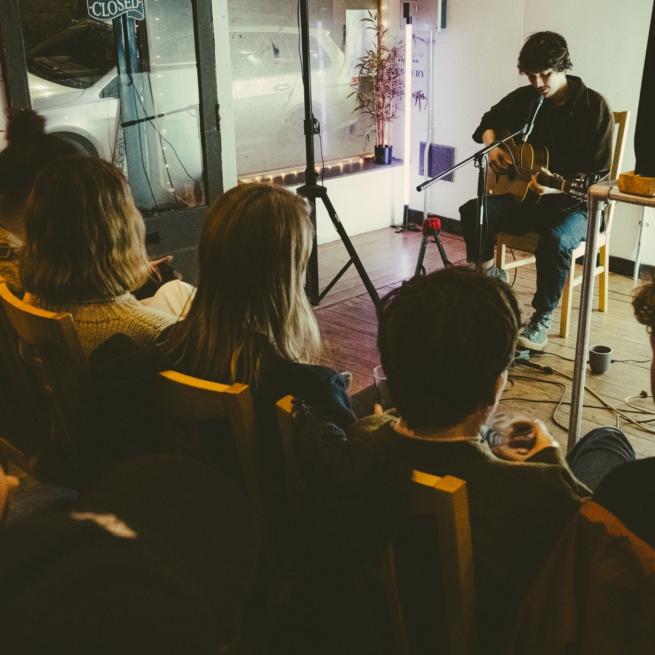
(160, 556)
(624, 489)
(28, 152)
(596, 591)
(85, 252)
(446, 341)
(250, 320)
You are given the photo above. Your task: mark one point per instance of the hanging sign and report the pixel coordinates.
(110, 9)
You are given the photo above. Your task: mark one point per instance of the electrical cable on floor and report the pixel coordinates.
(547, 401)
(559, 402)
(615, 410)
(613, 361)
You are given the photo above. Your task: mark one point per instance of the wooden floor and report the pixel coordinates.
(348, 325)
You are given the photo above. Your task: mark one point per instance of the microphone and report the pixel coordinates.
(529, 126)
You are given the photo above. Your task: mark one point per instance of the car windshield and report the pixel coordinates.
(78, 56)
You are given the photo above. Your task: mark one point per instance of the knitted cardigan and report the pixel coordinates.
(98, 320)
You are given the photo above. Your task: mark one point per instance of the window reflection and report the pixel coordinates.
(146, 120)
(267, 84)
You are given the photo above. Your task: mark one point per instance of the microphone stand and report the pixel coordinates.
(480, 162)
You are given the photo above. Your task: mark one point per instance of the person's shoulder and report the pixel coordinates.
(538, 477)
(590, 96)
(277, 366)
(148, 318)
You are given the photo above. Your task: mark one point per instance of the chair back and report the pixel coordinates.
(293, 478)
(49, 359)
(190, 401)
(621, 122)
(445, 501)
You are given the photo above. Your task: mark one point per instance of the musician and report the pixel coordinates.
(575, 124)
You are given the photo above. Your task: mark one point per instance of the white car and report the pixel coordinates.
(73, 83)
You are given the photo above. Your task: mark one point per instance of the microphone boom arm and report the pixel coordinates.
(475, 156)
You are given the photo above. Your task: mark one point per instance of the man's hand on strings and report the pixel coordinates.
(539, 188)
(500, 160)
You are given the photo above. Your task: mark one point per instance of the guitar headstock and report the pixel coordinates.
(575, 186)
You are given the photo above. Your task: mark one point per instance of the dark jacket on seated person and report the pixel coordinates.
(124, 421)
(595, 594)
(517, 512)
(159, 557)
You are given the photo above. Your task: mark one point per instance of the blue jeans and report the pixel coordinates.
(599, 452)
(561, 224)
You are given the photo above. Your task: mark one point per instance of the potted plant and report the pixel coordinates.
(379, 88)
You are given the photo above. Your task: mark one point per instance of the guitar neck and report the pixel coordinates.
(576, 186)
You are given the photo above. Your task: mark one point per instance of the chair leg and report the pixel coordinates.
(604, 279)
(500, 255)
(567, 302)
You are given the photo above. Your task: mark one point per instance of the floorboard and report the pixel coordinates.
(349, 329)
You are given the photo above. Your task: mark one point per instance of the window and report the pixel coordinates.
(267, 86)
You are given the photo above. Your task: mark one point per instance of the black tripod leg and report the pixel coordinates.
(312, 284)
(442, 250)
(421, 256)
(349, 247)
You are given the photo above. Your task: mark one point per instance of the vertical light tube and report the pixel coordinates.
(428, 136)
(408, 118)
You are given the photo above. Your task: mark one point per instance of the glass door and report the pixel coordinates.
(123, 80)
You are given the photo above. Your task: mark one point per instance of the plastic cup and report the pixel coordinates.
(515, 432)
(599, 359)
(382, 387)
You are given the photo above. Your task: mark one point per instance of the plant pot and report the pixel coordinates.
(383, 154)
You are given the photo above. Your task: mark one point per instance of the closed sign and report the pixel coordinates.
(110, 9)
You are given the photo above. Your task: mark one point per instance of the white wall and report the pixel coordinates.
(475, 65)
(363, 201)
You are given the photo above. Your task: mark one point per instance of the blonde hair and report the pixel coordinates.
(252, 258)
(85, 239)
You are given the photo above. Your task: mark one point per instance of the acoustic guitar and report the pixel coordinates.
(528, 160)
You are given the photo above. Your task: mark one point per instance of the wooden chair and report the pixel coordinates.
(445, 499)
(294, 482)
(50, 361)
(191, 401)
(20, 423)
(528, 242)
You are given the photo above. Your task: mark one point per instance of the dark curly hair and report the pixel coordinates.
(444, 340)
(28, 152)
(643, 303)
(544, 50)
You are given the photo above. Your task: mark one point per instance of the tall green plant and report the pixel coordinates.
(380, 86)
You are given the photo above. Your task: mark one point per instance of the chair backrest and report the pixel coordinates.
(621, 121)
(445, 500)
(188, 400)
(49, 347)
(294, 482)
